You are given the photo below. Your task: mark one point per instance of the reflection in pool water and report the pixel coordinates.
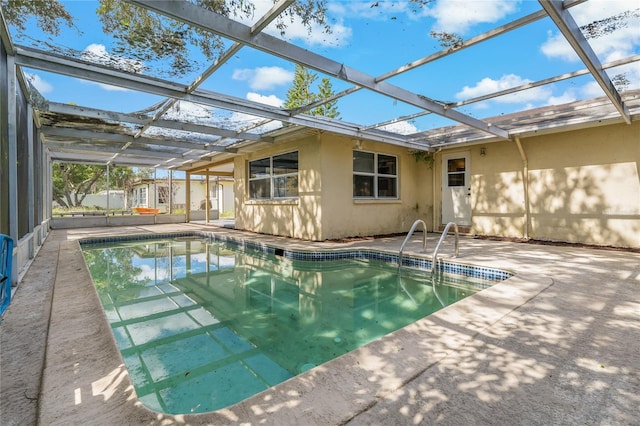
(204, 325)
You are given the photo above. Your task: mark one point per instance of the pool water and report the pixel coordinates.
(202, 325)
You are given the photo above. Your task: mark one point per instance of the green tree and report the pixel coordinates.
(149, 36)
(49, 14)
(72, 182)
(301, 94)
(114, 270)
(327, 109)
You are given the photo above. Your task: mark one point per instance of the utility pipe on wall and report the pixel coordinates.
(433, 194)
(525, 182)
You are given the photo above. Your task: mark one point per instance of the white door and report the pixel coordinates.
(456, 189)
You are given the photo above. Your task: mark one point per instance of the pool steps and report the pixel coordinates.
(434, 259)
(409, 234)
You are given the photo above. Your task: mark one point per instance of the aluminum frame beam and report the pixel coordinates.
(228, 28)
(39, 59)
(571, 32)
(138, 119)
(156, 155)
(71, 156)
(488, 96)
(89, 135)
(259, 26)
(5, 36)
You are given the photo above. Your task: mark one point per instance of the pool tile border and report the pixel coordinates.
(447, 267)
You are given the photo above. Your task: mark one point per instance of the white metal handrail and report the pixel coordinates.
(409, 234)
(442, 237)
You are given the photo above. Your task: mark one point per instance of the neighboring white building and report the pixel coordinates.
(113, 199)
(156, 194)
(98, 201)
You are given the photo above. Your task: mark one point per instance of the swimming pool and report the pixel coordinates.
(203, 324)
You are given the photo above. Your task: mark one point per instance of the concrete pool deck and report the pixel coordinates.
(559, 343)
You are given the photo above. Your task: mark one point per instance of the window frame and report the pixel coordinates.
(270, 176)
(376, 175)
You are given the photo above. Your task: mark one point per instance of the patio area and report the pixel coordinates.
(559, 343)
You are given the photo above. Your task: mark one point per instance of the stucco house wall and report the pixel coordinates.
(297, 218)
(583, 187)
(325, 208)
(346, 216)
(580, 186)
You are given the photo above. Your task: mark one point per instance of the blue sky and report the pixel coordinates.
(377, 37)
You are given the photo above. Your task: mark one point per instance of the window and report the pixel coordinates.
(455, 172)
(140, 198)
(375, 175)
(274, 177)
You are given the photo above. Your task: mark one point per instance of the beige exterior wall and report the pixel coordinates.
(297, 218)
(497, 191)
(583, 186)
(325, 208)
(347, 217)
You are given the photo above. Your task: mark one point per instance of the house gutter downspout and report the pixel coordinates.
(433, 193)
(525, 182)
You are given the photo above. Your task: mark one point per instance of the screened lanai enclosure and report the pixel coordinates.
(512, 119)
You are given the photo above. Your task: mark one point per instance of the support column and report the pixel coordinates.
(108, 190)
(12, 121)
(155, 195)
(207, 205)
(187, 196)
(170, 191)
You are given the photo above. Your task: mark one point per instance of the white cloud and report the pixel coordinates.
(565, 98)
(264, 78)
(557, 46)
(609, 46)
(40, 85)
(488, 85)
(271, 100)
(243, 120)
(339, 36)
(592, 90)
(456, 16)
